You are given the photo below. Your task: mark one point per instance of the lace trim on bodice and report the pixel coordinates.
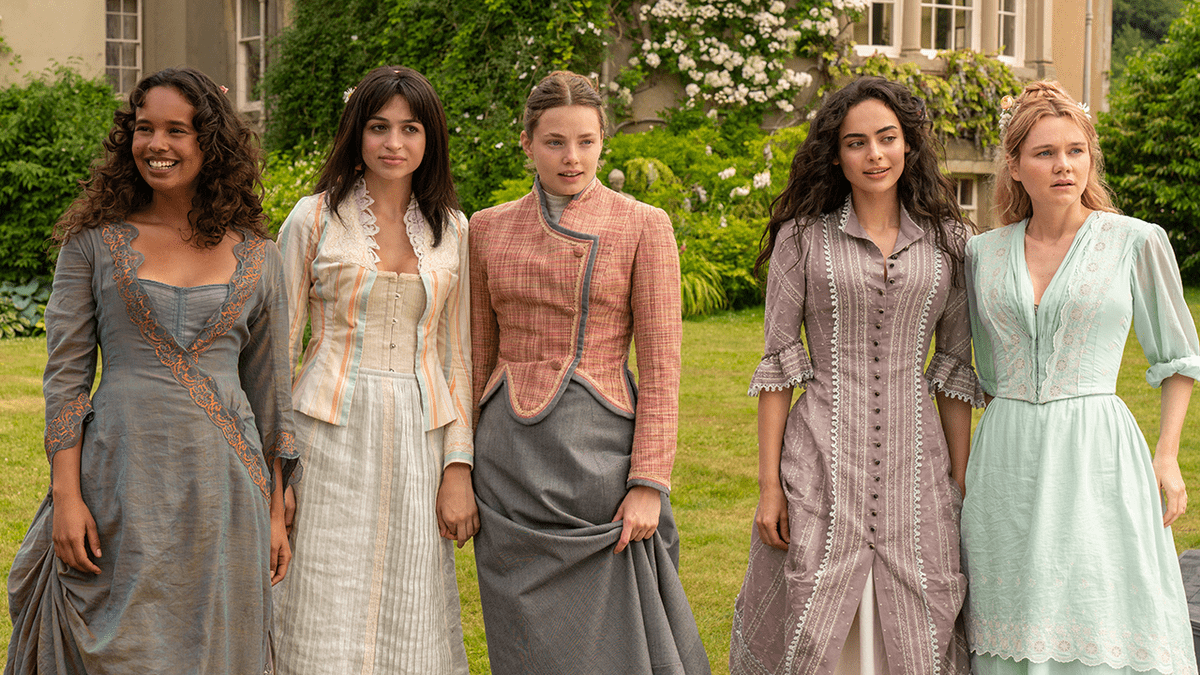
(420, 235)
(366, 218)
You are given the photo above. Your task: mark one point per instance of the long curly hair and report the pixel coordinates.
(816, 185)
(432, 182)
(1040, 99)
(228, 187)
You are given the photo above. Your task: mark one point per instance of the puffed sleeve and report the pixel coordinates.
(71, 341)
(458, 445)
(950, 372)
(786, 363)
(1161, 318)
(265, 368)
(657, 337)
(485, 328)
(299, 238)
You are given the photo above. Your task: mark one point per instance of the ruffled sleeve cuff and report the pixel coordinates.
(788, 368)
(1188, 366)
(955, 378)
(65, 427)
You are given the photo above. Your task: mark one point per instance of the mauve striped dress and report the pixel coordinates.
(864, 466)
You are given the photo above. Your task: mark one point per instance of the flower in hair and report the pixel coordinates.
(347, 94)
(1087, 110)
(223, 88)
(1008, 106)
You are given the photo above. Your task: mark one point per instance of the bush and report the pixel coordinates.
(287, 177)
(23, 308)
(1150, 138)
(51, 130)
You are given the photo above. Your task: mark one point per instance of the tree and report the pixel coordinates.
(1151, 138)
(1137, 26)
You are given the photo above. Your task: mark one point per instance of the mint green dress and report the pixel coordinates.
(1069, 567)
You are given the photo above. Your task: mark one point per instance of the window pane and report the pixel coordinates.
(927, 28)
(112, 5)
(253, 70)
(131, 31)
(1008, 35)
(251, 26)
(881, 23)
(129, 54)
(131, 6)
(966, 192)
(129, 78)
(962, 30)
(112, 53)
(942, 34)
(112, 26)
(114, 78)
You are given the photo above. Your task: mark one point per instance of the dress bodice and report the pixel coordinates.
(394, 309)
(1117, 272)
(183, 311)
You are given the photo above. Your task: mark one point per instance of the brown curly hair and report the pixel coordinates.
(228, 188)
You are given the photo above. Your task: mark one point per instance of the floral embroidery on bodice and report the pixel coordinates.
(1072, 344)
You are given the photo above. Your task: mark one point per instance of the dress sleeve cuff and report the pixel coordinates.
(457, 445)
(788, 368)
(285, 448)
(64, 429)
(955, 378)
(1188, 366)
(664, 488)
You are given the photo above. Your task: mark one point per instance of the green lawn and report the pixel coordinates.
(715, 471)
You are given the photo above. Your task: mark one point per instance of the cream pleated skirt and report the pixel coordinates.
(371, 588)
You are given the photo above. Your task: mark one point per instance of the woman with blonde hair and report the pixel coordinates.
(1068, 548)
(577, 549)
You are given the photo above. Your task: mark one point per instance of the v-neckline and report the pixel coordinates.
(235, 294)
(1028, 306)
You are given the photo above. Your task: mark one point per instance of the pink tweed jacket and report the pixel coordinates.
(551, 303)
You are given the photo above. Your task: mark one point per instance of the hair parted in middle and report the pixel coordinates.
(432, 182)
(562, 88)
(1040, 99)
(816, 185)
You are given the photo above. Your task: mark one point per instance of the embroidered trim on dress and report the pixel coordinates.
(918, 440)
(183, 364)
(366, 218)
(63, 430)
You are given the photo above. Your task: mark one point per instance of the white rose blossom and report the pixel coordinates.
(762, 180)
(727, 173)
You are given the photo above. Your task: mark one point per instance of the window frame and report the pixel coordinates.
(244, 86)
(971, 29)
(893, 49)
(136, 42)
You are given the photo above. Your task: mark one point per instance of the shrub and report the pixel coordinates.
(51, 129)
(1150, 138)
(23, 308)
(287, 177)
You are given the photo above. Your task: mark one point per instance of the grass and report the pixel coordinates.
(715, 479)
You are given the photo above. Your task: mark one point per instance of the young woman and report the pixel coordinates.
(578, 552)
(163, 530)
(854, 563)
(1068, 550)
(377, 261)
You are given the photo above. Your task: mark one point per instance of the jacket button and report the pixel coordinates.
(578, 252)
(556, 364)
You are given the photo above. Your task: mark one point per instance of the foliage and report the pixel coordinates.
(288, 177)
(963, 102)
(50, 131)
(1151, 138)
(23, 308)
(483, 59)
(1138, 26)
(730, 54)
(716, 181)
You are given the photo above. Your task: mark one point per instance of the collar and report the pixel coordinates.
(909, 230)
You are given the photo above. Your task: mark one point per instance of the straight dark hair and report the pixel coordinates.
(817, 186)
(432, 183)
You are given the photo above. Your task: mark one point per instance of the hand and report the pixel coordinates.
(771, 518)
(640, 510)
(289, 508)
(281, 550)
(457, 514)
(1170, 482)
(74, 529)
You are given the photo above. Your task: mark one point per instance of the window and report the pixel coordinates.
(1009, 31)
(251, 57)
(965, 187)
(122, 44)
(947, 24)
(879, 27)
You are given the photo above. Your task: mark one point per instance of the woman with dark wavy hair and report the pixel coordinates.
(854, 564)
(163, 531)
(377, 261)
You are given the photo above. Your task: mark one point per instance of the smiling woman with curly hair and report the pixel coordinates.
(163, 531)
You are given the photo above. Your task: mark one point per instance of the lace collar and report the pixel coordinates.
(414, 221)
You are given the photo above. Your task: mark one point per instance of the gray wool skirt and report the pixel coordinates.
(555, 597)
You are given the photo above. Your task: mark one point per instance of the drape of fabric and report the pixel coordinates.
(864, 465)
(555, 597)
(330, 268)
(372, 588)
(191, 411)
(1068, 561)
(862, 653)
